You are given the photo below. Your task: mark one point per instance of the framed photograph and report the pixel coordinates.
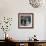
(25, 20)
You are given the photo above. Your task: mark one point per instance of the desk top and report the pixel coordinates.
(40, 41)
(26, 41)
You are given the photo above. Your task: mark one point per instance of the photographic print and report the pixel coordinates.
(25, 20)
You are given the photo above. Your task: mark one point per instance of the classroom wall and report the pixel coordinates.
(11, 8)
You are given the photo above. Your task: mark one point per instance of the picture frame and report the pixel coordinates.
(25, 20)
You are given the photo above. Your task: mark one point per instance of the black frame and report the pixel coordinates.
(24, 14)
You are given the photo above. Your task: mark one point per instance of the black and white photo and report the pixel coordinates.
(25, 20)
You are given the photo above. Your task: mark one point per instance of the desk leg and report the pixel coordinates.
(17, 44)
(35, 44)
(25, 44)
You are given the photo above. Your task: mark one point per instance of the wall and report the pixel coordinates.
(45, 29)
(11, 8)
